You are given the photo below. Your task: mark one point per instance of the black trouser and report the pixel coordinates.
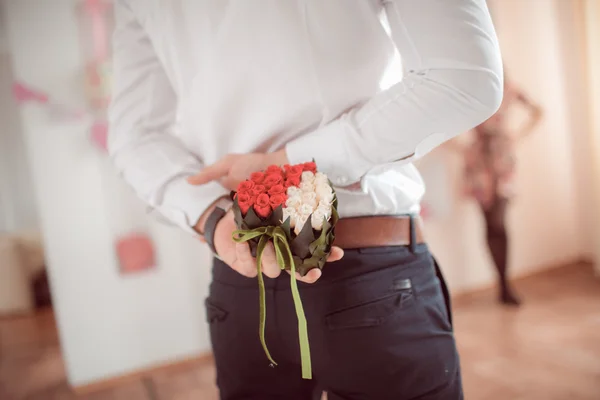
(378, 324)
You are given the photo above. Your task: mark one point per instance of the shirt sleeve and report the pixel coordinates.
(142, 115)
(453, 81)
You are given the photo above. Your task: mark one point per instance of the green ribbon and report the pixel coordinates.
(284, 257)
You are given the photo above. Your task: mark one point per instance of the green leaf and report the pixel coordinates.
(313, 261)
(303, 269)
(322, 263)
(275, 217)
(320, 253)
(334, 216)
(297, 260)
(253, 220)
(237, 214)
(286, 228)
(300, 244)
(253, 243)
(326, 226)
(330, 238)
(321, 240)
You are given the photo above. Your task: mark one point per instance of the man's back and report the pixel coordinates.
(207, 92)
(253, 75)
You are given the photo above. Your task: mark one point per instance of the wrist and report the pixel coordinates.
(279, 157)
(212, 224)
(222, 202)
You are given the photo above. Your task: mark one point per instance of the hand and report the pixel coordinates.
(239, 258)
(235, 168)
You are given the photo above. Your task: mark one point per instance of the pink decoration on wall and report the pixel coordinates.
(97, 23)
(99, 135)
(24, 94)
(135, 253)
(97, 10)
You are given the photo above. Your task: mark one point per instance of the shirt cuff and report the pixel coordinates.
(331, 148)
(184, 204)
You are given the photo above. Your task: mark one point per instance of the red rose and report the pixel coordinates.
(258, 190)
(295, 170)
(286, 168)
(262, 200)
(292, 181)
(262, 206)
(257, 177)
(310, 166)
(245, 201)
(277, 199)
(245, 186)
(274, 169)
(262, 212)
(273, 180)
(277, 189)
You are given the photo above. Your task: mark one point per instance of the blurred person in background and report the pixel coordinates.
(207, 92)
(488, 176)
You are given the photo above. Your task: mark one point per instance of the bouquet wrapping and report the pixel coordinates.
(294, 207)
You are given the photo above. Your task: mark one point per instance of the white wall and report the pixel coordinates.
(591, 13)
(108, 324)
(17, 205)
(3, 38)
(547, 220)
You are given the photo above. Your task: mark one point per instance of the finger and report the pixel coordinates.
(242, 269)
(230, 183)
(269, 262)
(336, 254)
(245, 263)
(311, 277)
(212, 172)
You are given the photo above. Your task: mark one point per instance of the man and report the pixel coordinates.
(208, 91)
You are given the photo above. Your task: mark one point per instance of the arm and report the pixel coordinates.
(455, 146)
(535, 115)
(453, 82)
(141, 116)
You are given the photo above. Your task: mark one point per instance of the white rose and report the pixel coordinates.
(325, 209)
(307, 187)
(305, 210)
(309, 197)
(300, 221)
(312, 203)
(294, 202)
(323, 190)
(293, 191)
(307, 176)
(317, 219)
(291, 213)
(326, 199)
(321, 178)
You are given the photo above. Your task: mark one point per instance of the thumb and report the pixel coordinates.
(213, 172)
(336, 254)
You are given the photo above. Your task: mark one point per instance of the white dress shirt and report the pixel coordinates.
(195, 80)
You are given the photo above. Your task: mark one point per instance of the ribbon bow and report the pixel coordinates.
(284, 257)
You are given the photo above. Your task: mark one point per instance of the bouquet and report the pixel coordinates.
(295, 207)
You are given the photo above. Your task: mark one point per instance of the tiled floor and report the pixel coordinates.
(547, 350)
